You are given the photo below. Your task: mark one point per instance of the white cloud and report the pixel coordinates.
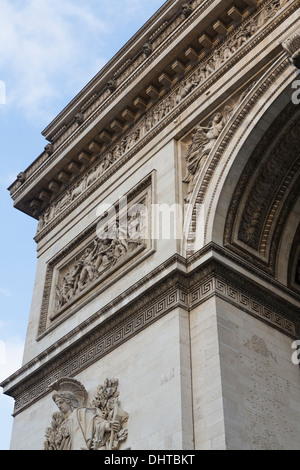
(5, 292)
(44, 47)
(11, 354)
(50, 49)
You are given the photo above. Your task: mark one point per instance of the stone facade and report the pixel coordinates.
(168, 243)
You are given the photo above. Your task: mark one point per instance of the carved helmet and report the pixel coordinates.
(71, 390)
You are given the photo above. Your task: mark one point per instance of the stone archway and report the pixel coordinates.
(266, 197)
(268, 100)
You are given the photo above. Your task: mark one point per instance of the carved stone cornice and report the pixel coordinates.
(42, 163)
(292, 47)
(146, 137)
(185, 287)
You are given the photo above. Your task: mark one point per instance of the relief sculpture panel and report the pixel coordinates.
(101, 426)
(119, 237)
(114, 245)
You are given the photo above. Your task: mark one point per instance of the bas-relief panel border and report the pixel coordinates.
(177, 291)
(177, 30)
(50, 317)
(165, 121)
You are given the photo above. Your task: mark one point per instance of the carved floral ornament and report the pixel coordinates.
(76, 426)
(160, 111)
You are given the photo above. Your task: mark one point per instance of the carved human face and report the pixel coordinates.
(217, 117)
(63, 406)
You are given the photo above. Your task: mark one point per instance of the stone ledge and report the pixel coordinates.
(179, 288)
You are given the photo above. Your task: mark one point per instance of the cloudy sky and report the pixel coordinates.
(49, 50)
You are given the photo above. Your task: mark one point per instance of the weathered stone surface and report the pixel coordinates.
(168, 243)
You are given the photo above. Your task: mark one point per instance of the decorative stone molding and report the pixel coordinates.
(178, 289)
(236, 123)
(260, 19)
(266, 194)
(294, 264)
(292, 47)
(203, 141)
(101, 426)
(117, 237)
(164, 111)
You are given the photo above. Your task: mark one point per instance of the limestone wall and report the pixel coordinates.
(154, 375)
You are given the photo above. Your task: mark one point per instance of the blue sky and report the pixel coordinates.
(49, 50)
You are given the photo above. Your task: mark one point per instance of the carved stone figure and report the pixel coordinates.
(78, 189)
(112, 85)
(102, 426)
(79, 118)
(229, 46)
(92, 177)
(87, 271)
(21, 177)
(186, 9)
(104, 252)
(242, 37)
(132, 139)
(69, 285)
(203, 141)
(147, 49)
(292, 47)
(41, 223)
(49, 149)
(268, 13)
